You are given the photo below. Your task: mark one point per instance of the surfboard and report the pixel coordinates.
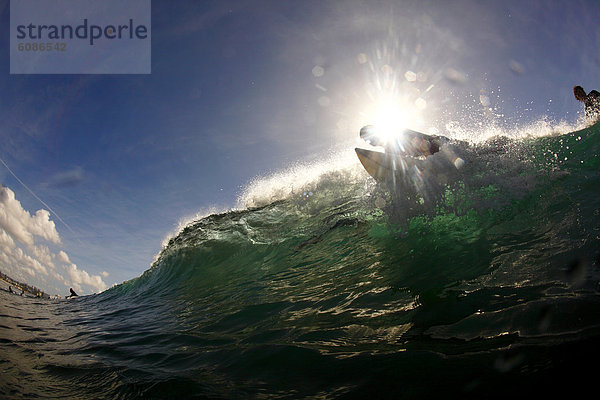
(382, 166)
(407, 151)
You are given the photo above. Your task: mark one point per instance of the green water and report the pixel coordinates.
(485, 285)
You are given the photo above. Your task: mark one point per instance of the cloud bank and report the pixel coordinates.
(25, 252)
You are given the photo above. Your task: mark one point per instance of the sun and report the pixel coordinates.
(391, 116)
(389, 121)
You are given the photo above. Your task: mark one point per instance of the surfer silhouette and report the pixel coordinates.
(73, 294)
(590, 100)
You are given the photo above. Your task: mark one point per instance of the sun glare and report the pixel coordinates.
(389, 121)
(391, 117)
(395, 97)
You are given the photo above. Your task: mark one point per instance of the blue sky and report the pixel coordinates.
(241, 89)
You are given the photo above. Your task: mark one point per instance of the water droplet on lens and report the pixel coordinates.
(318, 71)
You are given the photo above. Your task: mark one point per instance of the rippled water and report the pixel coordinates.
(483, 285)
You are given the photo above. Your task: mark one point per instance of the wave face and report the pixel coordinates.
(472, 282)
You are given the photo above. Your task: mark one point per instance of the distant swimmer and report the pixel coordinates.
(10, 289)
(73, 294)
(590, 100)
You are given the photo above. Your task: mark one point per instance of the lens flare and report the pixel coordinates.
(392, 117)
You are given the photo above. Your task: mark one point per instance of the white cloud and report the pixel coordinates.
(62, 256)
(43, 254)
(6, 240)
(80, 277)
(23, 258)
(23, 226)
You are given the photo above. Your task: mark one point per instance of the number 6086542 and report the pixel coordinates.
(42, 46)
